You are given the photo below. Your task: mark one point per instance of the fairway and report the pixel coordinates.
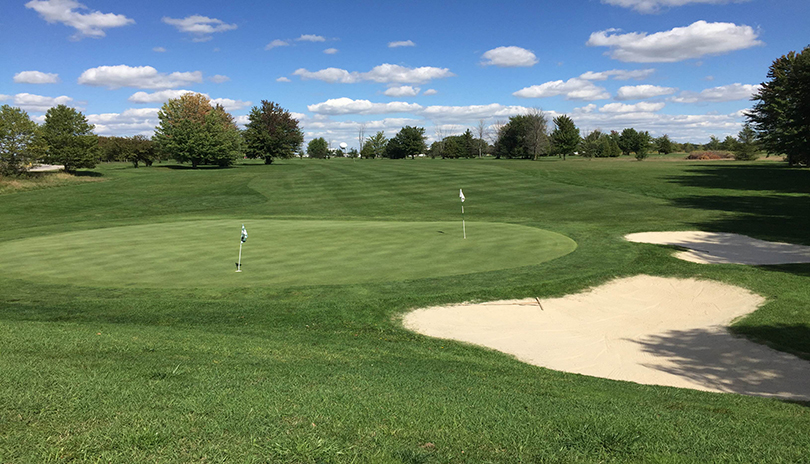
(279, 252)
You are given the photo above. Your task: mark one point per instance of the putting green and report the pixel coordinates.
(278, 252)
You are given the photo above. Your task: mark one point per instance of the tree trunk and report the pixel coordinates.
(268, 160)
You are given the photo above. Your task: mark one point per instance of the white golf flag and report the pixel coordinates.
(244, 234)
(461, 195)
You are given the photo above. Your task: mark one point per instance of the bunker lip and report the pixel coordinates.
(643, 329)
(725, 248)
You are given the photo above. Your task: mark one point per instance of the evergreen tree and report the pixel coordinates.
(69, 139)
(746, 146)
(409, 141)
(565, 137)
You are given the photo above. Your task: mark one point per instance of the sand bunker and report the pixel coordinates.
(650, 330)
(724, 248)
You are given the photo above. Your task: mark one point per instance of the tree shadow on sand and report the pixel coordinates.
(715, 359)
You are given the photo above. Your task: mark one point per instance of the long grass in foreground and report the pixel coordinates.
(325, 373)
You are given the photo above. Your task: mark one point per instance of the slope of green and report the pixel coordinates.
(318, 371)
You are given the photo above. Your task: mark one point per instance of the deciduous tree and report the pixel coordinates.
(409, 141)
(20, 144)
(318, 148)
(272, 132)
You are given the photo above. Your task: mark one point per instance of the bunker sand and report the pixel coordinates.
(725, 248)
(644, 329)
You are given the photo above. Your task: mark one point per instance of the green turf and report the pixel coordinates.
(324, 372)
(203, 253)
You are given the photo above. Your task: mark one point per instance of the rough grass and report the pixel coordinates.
(40, 180)
(325, 372)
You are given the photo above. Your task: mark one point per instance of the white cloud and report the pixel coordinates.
(654, 6)
(311, 38)
(229, 104)
(157, 97)
(277, 43)
(401, 43)
(618, 74)
(384, 73)
(36, 77)
(678, 44)
(330, 51)
(509, 57)
(572, 89)
(142, 77)
(640, 92)
(430, 92)
(641, 107)
(91, 24)
(454, 114)
(159, 50)
(4, 97)
(348, 106)
(200, 27)
(283, 79)
(723, 93)
(132, 121)
(39, 103)
(219, 78)
(402, 91)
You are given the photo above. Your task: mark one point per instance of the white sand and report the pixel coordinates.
(644, 329)
(47, 168)
(724, 248)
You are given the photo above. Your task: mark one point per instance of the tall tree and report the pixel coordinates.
(524, 136)
(272, 132)
(375, 145)
(664, 145)
(191, 130)
(781, 114)
(318, 148)
(409, 141)
(592, 145)
(714, 144)
(746, 147)
(20, 144)
(69, 139)
(627, 140)
(642, 145)
(565, 138)
(481, 130)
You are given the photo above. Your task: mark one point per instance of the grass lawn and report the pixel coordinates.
(125, 335)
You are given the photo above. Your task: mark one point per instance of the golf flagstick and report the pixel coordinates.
(242, 240)
(463, 224)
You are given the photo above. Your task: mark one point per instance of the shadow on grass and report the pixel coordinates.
(794, 338)
(770, 177)
(185, 167)
(715, 359)
(87, 174)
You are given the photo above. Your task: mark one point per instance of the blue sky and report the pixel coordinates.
(682, 67)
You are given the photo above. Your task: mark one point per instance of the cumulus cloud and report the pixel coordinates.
(384, 73)
(723, 93)
(330, 51)
(311, 38)
(572, 89)
(142, 77)
(430, 92)
(678, 44)
(402, 91)
(654, 6)
(200, 27)
(455, 114)
(67, 12)
(230, 104)
(509, 57)
(133, 121)
(401, 43)
(640, 92)
(157, 97)
(641, 107)
(348, 106)
(219, 78)
(277, 43)
(283, 79)
(4, 97)
(618, 74)
(36, 77)
(38, 103)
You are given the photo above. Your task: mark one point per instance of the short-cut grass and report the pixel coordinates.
(280, 252)
(115, 369)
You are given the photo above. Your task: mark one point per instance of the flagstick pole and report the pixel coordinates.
(463, 224)
(239, 263)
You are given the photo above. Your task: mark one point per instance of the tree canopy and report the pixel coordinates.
(524, 136)
(19, 141)
(318, 148)
(374, 146)
(69, 139)
(565, 138)
(409, 141)
(781, 114)
(191, 130)
(271, 133)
